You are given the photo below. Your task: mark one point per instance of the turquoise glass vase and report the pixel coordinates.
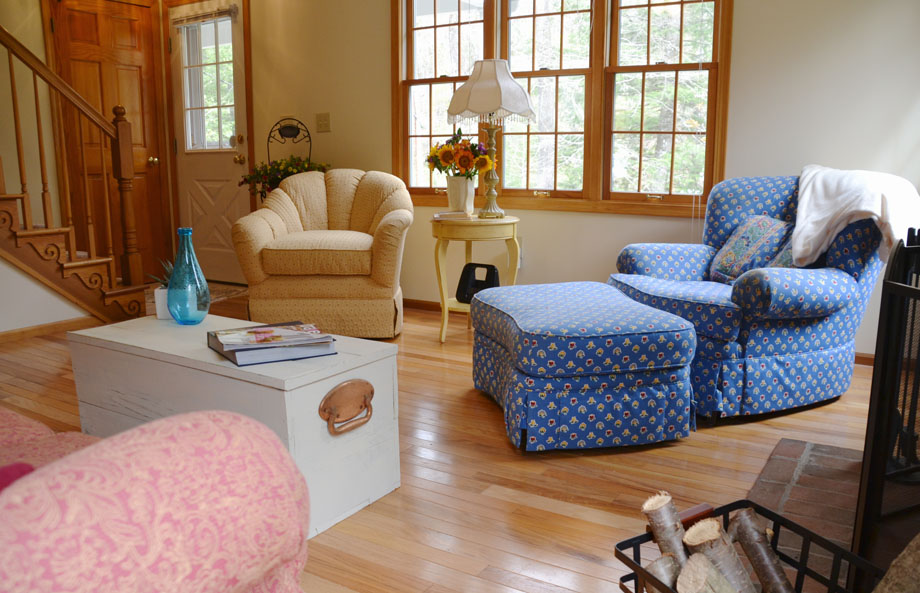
(187, 297)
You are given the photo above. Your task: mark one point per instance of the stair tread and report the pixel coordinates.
(80, 263)
(41, 232)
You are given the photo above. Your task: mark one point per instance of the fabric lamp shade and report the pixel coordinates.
(490, 95)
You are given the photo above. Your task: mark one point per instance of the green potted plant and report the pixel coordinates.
(160, 292)
(266, 177)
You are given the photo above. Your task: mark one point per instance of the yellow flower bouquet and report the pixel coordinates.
(459, 157)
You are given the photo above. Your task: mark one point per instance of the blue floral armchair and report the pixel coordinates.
(777, 337)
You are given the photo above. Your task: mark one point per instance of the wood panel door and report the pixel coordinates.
(108, 51)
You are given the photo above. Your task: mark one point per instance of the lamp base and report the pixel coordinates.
(491, 209)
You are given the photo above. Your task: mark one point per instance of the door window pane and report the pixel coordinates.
(207, 52)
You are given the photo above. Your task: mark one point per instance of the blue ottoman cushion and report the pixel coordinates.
(580, 365)
(576, 328)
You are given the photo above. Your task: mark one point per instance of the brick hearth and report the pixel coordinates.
(816, 486)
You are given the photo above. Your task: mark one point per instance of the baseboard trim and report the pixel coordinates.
(423, 305)
(866, 359)
(44, 329)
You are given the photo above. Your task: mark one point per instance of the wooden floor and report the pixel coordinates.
(473, 514)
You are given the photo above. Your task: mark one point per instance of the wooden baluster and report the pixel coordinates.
(64, 181)
(26, 208)
(87, 198)
(132, 267)
(46, 196)
(108, 208)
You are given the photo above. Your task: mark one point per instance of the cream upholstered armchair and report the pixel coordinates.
(326, 248)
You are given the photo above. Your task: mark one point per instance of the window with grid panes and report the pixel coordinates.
(656, 105)
(548, 46)
(445, 39)
(207, 62)
(662, 80)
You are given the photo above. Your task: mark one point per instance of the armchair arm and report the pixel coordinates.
(669, 261)
(205, 502)
(793, 293)
(256, 230)
(387, 249)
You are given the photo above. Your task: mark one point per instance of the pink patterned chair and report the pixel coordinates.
(25, 440)
(207, 502)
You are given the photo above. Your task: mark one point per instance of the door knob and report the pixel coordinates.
(239, 159)
(153, 161)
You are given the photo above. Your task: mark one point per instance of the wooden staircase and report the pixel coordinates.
(89, 275)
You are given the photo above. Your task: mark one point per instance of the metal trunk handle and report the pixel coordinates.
(344, 402)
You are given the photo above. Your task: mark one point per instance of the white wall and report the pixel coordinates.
(27, 302)
(832, 82)
(316, 56)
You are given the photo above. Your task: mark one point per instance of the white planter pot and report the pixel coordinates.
(159, 297)
(460, 194)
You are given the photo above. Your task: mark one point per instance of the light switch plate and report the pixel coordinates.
(323, 123)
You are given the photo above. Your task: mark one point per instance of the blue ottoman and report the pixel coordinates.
(580, 365)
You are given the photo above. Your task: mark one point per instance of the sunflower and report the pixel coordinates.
(446, 155)
(483, 163)
(464, 161)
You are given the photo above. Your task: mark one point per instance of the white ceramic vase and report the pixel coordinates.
(460, 194)
(159, 297)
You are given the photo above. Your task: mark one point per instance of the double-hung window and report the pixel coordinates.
(444, 39)
(547, 44)
(627, 95)
(662, 81)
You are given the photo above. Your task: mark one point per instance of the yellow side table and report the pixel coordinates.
(475, 229)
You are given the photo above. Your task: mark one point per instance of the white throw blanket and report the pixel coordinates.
(830, 199)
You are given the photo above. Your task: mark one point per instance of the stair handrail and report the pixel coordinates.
(52, 78)
(119, 130)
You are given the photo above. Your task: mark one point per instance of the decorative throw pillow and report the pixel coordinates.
(12, 472)
(783, 259)
(754, 243)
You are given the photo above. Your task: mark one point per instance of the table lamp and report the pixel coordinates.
(490, 95)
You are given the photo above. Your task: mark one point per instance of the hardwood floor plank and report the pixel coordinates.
(473, 512)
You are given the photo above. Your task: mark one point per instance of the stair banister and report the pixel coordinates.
(51, 244)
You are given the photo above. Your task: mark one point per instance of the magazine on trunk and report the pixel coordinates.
(289, 333)
(264, 343)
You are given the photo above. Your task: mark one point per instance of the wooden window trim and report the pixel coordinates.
(596, 181)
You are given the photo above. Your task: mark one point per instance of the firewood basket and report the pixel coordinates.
(815, 563)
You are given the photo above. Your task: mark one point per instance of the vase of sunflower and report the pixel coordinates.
(461, 160)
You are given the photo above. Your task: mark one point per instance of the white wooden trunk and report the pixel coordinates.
(140, 370)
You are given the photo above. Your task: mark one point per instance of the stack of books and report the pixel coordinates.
(291, 340)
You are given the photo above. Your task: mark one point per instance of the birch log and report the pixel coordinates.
(769, 570)
(666, 526)
(707, 537)
(665, 569)
(699, 575)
